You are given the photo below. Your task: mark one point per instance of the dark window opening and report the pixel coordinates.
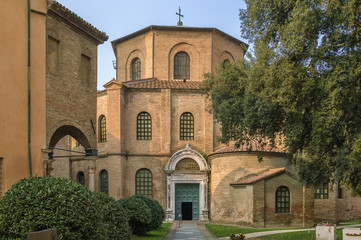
(144, 183)
(181, 66)
(186, 126)
(282, 200)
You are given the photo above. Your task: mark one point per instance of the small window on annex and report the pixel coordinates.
(135, 69)
(144, 126)
(187, 164)
(181, 66)
(187, 126)
(102, 129)
(80, 178)
(321, 192)
(104, 181)
(282, 200)
(144, 183)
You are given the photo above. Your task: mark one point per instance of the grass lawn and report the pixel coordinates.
(226, 230)
(350, 222)
(304, 235)
(156, 234)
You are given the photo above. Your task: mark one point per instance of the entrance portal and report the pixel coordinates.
(187, 201)
(187, 182)
(187, 211)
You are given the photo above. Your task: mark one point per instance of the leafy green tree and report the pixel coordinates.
(300, 88)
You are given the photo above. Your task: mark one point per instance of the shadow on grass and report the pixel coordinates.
(156, 234)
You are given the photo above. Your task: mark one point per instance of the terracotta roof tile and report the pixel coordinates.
(250, 146)
(154, 83)
(251, 179)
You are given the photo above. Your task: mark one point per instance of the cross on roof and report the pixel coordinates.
(180, 15)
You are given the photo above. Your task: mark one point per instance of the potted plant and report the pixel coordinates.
(237, 236)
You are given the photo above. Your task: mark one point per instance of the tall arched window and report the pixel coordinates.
(80, 178)
(225, 63)
(144, 126)
(144, 182)
(282, 200)
(102, 129)
(187, 126)
(104, 181)
(181, 66)
(135, 69)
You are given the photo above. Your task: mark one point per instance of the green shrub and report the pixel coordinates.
(115, 221)
(156, 211)
(139, 214)
(40, 203)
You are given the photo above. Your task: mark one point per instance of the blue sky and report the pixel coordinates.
(119, 18)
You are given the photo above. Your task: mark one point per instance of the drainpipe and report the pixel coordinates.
(29, 87)
(29, 95)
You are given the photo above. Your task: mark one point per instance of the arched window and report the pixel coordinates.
(282, 200)
(80, 178)
(104, 182)
(144, 126)
(144, 182)
(187, 126)
(187, 164)
(225, 63)
(102, 129)
(135, 69)
(181, 66)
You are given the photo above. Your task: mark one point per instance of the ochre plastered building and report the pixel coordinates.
(22, 61)
(48, 68)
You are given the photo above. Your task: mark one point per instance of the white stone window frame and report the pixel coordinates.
(199, 177)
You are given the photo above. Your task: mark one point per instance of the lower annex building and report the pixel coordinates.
(157, 138)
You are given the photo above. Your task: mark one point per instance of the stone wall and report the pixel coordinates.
(301, 210)
(228, 168)
(71, 80)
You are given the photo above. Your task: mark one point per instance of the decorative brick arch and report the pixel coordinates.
(135, 54)
(226, 56)
(193, 56)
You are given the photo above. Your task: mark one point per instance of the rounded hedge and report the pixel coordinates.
(156, 211)
(138, 212)
(39, 203)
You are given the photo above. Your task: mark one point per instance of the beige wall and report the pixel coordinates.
(14, 107)
(228, 168)
(301, 210)
(337, 209)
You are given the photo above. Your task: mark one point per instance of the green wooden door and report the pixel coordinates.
(187, 193)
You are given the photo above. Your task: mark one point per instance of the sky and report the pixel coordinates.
(119, 18)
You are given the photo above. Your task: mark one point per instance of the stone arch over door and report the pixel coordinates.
(187, 177)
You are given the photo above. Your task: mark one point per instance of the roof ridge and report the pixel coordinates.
(73, 18)
(262, 175)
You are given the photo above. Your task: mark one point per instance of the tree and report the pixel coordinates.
(300, 88)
